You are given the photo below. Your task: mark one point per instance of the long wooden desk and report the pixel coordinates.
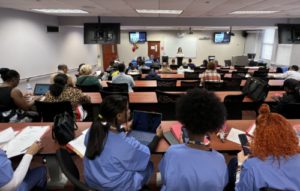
(150, 97)
(50, 146)
(145, 83)
(272, 83)
(175, 76)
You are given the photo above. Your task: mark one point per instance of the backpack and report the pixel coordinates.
(256, 88)
(63, 128)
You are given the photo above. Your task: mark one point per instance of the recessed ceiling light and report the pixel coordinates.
(252, 12)
(159, 11)
(61, 11)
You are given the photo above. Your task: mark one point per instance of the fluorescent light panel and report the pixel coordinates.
(252, 12)
(159, 11)
(61, 11)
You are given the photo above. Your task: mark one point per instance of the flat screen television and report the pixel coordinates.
(221, 37)
(137, 37)
(101, 33)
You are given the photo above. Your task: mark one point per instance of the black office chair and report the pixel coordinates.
(69, 168)
(47, 110)
(236, 74)
(136, 76)
(194, 83)
(199, 70)
(233, 104)
(213, 86)
(108, 93)
(113, 87)
(91, 88)
(174, 67)
(191, 75)
(232, 84)
(290, 111)
(167, 102)
(166, 84)
(145, 71)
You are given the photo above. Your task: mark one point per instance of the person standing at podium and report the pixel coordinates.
(179, 56)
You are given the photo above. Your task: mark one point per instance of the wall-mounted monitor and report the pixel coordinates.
(137, 37)
(221, 37)
(101, 33)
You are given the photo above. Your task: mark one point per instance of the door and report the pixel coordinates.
(154, 49)
(110, 53)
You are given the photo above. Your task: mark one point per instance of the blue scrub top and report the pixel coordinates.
(124, 164)
(257, 174)
(6, 171)
(188, 169)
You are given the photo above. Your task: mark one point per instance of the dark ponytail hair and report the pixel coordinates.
(60, 81)
(8, 75)
(110, 107)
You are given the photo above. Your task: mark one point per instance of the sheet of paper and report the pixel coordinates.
(77, 145)
(7, 135)
(85, 131)
(24, 140)
(234, 135)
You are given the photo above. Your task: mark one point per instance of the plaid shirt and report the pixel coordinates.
(210, 75)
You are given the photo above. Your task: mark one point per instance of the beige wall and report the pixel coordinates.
(204, 47)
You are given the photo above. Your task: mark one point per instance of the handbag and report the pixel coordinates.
(256, 88)
(63, 130)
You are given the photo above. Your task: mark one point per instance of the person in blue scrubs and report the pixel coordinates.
(114, 160)
(188, 166)
(22, 179)
(275, 156)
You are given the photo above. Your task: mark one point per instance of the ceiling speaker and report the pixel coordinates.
(52, 29)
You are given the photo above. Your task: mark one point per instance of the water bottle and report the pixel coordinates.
(29, 89)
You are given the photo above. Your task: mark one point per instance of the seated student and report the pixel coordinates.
(78, 70)
(113, 159)
(123, 78)
(275, 155)
(291, 73)
(192, 167)
(60, 92)
(165, 68)
(204, 64)
(173, 62)
(291, 88)
(152, 75)
(191, 65)
(62, 69)
(132, 69)
(184, 68)
(86, 79)
(12, 101)
(210, 73)
(22, 179)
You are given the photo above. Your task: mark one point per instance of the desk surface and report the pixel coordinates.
(50, 146)
(276, 82)
(150, 97)
(146, 83)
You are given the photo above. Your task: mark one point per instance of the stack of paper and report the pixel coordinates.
(19, 144)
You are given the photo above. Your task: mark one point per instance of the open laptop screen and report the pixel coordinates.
(144, 125)
(41, 89)
(146, 121)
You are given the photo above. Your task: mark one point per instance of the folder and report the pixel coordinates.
(77, 144)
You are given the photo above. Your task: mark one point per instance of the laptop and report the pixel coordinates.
(144, 125)
(41, 89)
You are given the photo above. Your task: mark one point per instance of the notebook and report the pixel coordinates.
(41, 89)
(144, 125)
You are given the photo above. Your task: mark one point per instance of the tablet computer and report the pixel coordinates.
(144, 125)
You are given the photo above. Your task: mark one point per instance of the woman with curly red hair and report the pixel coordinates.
(275, 155)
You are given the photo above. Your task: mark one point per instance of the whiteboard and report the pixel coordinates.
(188, 43)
